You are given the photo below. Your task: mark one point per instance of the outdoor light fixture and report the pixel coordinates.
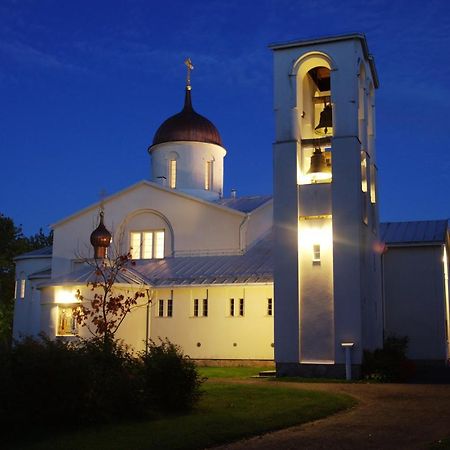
(347, 346)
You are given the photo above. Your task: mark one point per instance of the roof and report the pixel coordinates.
(139, 184)
(414, 233)
(41, 274)
(39, 253)
(255, 266)
(244, 204)
(326, 39)
(87, 275)
(187, 125)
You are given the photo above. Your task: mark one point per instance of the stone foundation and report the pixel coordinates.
(235, 362)
(316, 370)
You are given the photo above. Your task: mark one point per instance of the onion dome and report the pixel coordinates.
(100, 239)
(187, 125)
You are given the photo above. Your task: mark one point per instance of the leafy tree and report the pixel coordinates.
(13, 243)
(104, 311)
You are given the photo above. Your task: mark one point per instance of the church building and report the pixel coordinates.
(297, 278)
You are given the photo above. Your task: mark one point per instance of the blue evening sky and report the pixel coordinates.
(85, 84)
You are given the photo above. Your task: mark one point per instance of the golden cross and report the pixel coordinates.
(188, 64)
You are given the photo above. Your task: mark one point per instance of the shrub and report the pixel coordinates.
(44, 381)
(390, 363)
(52, 384)
(171, 380)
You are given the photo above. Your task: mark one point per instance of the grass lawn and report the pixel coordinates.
(226, 412)
(231, 372)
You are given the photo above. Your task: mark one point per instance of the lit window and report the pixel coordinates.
(269, 306)
(147, 244)
(241, 306)
(169, 307)
(196, 307)
(15, 289)
(316, 253)
(208, 175)
(173, 173)
(231, 306)
(363, 171)
(205, 307)
(67, 324)
(22, 288)
(373, 176)
(161, 308)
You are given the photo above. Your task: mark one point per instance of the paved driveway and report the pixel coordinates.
(388, 416)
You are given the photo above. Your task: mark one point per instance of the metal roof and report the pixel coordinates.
(41, 274)
(87, 275)
(244, 204)
(40, 252)
(255, 266)
(415, 233)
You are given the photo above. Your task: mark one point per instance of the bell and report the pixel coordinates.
(326, 120)
(319, 170)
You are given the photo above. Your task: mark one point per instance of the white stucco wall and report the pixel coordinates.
(27, 310)
(217, 333)
(199, 227)
(415, 299)
(191, 159)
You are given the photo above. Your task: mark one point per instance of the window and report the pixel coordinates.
(208, 175)
(316, 254)
(147, 244)
(231, 307)
(22, 288)
(170, 307)
(15, 289)
(205, 307)
(363, 171)
(241, 307)
(161, 308)
(269, 306)
(373, 181)
(173, 173)
(196, 307)
(67, 324)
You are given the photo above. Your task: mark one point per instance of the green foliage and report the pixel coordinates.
(172, 382)
(12, 244)
(226, 412)
(44, 380)
(390, 363)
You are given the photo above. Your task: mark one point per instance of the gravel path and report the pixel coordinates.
(388, 416)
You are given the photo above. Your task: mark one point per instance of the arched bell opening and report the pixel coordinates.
(314, 102)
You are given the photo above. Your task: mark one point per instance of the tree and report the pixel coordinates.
(104, 311)
(13, 243)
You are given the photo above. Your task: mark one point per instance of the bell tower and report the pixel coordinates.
(327, 265)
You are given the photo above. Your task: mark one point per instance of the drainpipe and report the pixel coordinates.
(147, 318)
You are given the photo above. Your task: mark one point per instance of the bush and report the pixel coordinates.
(45, 382)
(390, 363)
(171, 380)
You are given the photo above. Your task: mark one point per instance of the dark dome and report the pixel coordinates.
(187, 125)
(101, 237)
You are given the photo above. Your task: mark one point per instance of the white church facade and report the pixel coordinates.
(296, 279)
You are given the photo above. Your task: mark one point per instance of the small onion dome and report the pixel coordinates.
(100, 239)
(187, 125)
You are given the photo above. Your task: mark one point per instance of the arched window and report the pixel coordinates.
(209, 175)
(172, 173)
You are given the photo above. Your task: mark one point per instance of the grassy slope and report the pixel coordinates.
(226, 412)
